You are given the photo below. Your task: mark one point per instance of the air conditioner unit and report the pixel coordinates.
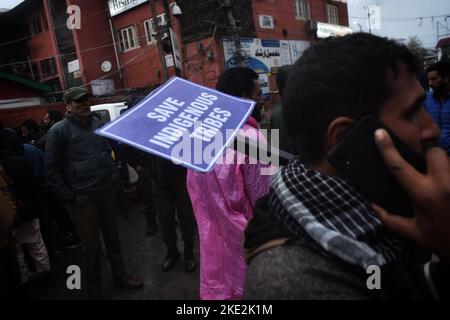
(162, 25)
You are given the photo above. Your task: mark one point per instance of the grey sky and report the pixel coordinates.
(392, 13)
(8, 4)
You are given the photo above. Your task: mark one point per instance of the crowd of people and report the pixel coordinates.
(306, 232)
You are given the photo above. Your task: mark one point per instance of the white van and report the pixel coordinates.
(109, 111)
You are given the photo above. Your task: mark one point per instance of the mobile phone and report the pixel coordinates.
(356, 157)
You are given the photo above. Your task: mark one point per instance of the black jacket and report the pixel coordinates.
(24, 185)
(77, 160)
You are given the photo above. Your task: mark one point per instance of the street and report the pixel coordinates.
(143, 259)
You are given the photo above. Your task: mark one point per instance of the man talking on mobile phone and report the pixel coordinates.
(315, 236)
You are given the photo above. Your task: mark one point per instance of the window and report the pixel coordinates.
(35, 71)
(103, 115)
(128, 38)
(149, 31)
(150, 28)
(35, 25)
(48, 68)
(303, 11)
(332, 14)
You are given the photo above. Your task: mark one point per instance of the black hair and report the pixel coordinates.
(346, 76)
(55, 115)
(237, 81)
(31, 125)
(10, 142)
(282, 75)
(442, 68)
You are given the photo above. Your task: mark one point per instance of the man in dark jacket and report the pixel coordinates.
(315, 236)
(81, 170)
(27, 230)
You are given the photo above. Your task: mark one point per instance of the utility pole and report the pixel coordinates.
(237, 42)
(158, 39)
(368, 17)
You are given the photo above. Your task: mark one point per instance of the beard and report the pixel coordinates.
(438, 90)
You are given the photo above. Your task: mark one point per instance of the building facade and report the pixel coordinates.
(115, 47)
(272, 33)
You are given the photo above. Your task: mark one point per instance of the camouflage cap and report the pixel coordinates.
(74, 93)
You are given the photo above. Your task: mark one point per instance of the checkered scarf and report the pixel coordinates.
(328, 211)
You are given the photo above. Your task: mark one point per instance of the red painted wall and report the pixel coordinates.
(39, 46)
(284, 15)
(94, 42)
(53, 44)
(141, 65)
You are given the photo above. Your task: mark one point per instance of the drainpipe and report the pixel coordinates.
(162, 58)
(115, 51)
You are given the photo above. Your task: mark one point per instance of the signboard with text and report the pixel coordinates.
(73, 66)
(260, 55)
(183, 122)
(264, 55)
(118, 6)
(102, 87)
(325, 30)
(297, 47)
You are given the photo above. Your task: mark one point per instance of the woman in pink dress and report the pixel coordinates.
(223, 200)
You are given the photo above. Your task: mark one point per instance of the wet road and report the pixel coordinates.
(143, 259)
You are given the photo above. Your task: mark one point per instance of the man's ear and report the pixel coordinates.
(336, 130)
(68, 107)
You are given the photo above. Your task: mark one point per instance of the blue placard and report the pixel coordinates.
(184, 122)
